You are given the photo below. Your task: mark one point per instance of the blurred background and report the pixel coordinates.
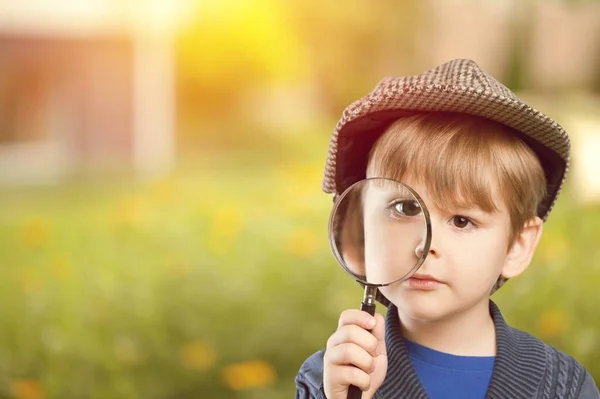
(163, 233)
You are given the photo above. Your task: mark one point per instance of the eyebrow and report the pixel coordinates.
(476, 211)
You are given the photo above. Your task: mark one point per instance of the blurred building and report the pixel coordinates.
(84, 86)
(91, 85)
(557, 42)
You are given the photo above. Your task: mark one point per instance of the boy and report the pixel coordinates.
(489, 168)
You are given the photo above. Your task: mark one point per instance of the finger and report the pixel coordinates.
(350, 375)
(358, 317)
(355, 335)
(350, 354)
(378, 333)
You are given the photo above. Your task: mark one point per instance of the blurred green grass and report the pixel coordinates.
(217, 281)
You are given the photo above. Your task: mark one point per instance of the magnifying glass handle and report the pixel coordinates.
(368, 305)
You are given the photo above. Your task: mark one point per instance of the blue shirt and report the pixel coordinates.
(449, 376)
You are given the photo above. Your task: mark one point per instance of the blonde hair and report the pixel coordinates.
(464, 161)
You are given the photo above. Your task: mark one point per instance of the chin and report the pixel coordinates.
(417, 306)
(424, 312)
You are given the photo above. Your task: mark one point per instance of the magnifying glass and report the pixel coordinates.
(380, 234)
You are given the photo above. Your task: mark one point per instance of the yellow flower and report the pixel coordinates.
(127, 212)
(61, 267)
(554, 247)
(305, 177)
(302, 242)
(35, 232)
(164, 191)
(178, 268)
(27, 389)
(197, 355)
(252, 374)
(552, 323)
(225, 227)
(226, 222)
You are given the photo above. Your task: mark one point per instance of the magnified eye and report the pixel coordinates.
(407, 207)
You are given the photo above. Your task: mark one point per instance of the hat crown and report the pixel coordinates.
(463, 74)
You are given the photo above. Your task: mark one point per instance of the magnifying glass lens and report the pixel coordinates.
(379, 230)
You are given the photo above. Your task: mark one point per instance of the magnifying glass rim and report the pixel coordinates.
(338, 256)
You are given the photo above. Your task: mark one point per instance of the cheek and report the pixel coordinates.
(390, 249)
(387, 259)
(482, 253)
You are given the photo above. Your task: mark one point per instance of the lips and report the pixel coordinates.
(425, 277)
(423, 282)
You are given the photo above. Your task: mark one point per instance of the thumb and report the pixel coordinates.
(379, 333)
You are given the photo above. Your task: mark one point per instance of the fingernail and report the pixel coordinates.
(371, 322)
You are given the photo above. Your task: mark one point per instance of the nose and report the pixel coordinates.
(421, 247)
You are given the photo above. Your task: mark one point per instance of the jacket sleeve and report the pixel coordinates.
(309, 380)
(589, 389)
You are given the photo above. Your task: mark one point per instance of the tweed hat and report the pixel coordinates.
(457, 86)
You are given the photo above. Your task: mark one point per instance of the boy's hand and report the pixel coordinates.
(355, 356)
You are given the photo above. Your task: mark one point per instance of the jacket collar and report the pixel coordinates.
(518, 369)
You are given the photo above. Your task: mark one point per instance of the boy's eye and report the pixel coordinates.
(407, 207)
(460, 221)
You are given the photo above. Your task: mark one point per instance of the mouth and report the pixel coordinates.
(424, 282)
(425, 277)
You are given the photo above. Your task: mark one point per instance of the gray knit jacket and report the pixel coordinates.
(524, 368)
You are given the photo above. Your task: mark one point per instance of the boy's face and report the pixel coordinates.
(469, 251)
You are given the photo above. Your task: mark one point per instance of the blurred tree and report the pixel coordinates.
(353, 46)
(235, 47)
(232, 47)
(521, 43)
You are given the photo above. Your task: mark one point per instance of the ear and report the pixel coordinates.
(520, 254)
